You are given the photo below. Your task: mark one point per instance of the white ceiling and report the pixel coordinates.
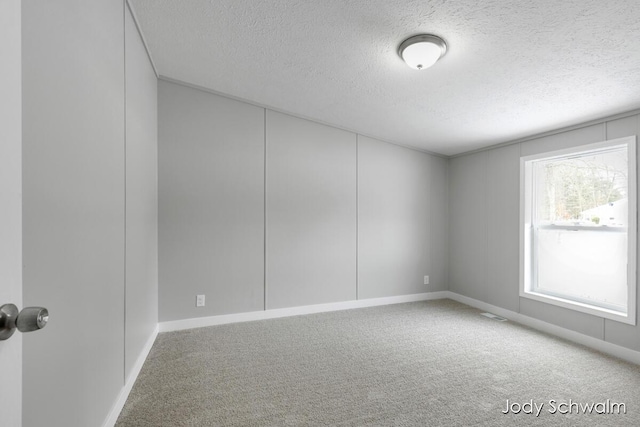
(513, 67)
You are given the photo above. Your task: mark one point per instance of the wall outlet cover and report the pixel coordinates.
(426, 280)
(200, 301)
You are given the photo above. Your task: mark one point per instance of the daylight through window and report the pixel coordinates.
(578, 228)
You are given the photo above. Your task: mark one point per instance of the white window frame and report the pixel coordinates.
(526, 230)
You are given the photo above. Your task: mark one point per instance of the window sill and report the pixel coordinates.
(582, 308)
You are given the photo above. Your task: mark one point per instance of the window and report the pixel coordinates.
(578, 228)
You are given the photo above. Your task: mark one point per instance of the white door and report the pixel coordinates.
(10, 206)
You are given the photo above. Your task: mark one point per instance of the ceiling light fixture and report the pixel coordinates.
(422, 51)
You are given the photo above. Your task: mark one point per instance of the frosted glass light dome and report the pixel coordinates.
(422, 51)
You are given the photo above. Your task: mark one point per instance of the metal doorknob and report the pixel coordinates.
(28, 320)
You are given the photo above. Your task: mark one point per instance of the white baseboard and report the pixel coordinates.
(586, 340)
(128, 385)
(178, 325)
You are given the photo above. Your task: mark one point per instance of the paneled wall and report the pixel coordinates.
(439, 233)
(468, 226)
(261, 210)
(141, 195)
(394, 219)
(88, 180)
(211, 208)
(484, 228)
(311, 213)
(73, 171)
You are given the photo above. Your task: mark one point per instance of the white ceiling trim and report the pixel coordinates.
(554, 132)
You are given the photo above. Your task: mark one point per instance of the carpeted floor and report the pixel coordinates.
(434, 363)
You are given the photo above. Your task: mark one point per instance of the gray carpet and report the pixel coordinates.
(436, 363)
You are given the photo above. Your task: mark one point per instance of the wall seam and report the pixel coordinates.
(124, 74)
(486, 225)
(448, 219)
(488, 200)
(264, 213)
(357, 218)
(430, 225)
(605, 136)
(519, 219)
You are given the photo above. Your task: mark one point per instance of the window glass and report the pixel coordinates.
(577, 244)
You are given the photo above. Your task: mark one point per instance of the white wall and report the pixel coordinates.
(10, 205)
(73, 171)
(439, 234)
(211, 209)
(319, 246)
(484, 228)
(311, 213)
(394, 219)
(468, 226)
(74, 213)
(141, 219)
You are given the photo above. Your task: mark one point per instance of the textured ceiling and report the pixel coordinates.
(513, 67)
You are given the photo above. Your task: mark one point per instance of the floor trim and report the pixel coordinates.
(126, 389)
(178, 325)
(576, 337)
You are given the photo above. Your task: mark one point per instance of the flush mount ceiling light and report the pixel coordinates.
(422, 51)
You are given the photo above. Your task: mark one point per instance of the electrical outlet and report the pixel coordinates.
(426, 280)
(200, 301)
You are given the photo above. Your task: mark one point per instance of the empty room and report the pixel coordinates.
(319, 213)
